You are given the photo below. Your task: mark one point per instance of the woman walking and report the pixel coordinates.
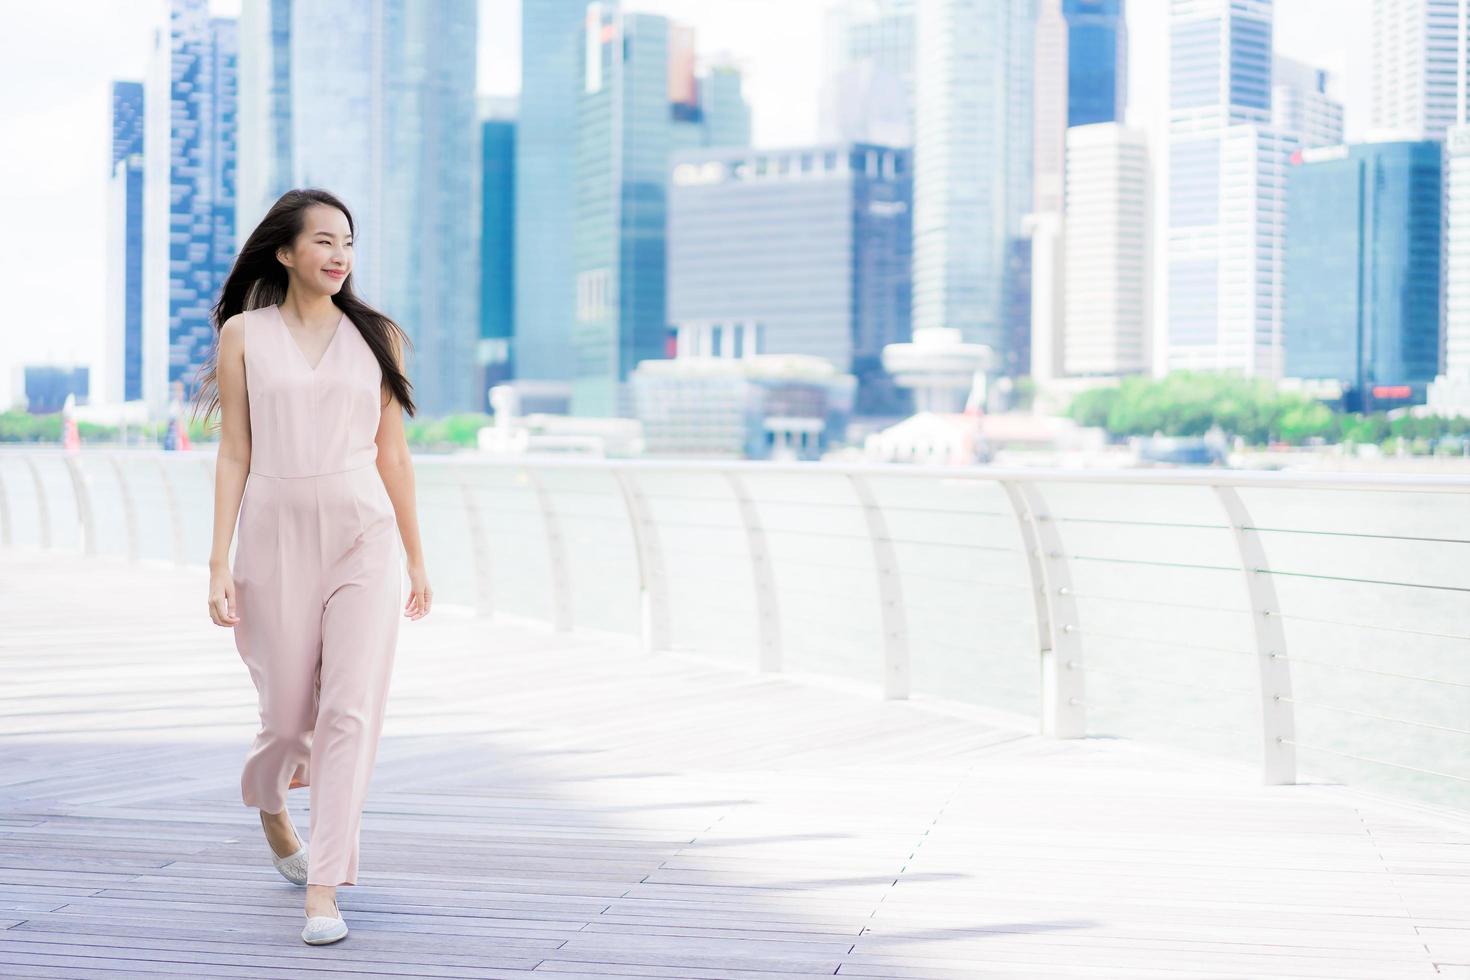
(311, 390)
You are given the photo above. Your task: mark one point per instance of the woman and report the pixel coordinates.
(311, 390)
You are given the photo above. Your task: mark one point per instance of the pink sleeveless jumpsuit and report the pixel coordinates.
(318, 582)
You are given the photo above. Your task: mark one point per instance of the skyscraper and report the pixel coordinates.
(121, 377)
(497, 248)
(1415, 73)
(868, 72)
(1450, 392)
(1363, 265)
(1301, 106)
(1107, 264)
(189, 143)
(640, 102)
(807, 248)
(552, 35)
(379, 108)
(1097, 61)
(1226, 190)
(972, 176)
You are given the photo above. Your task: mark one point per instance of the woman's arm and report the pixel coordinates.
(395, 466)
(231, 466)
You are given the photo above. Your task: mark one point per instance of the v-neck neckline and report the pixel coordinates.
(325, 350)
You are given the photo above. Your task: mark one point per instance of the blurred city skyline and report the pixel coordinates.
(52, 183)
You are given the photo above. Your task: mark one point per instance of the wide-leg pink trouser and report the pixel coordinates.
(318, 586)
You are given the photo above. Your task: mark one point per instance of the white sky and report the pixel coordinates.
(55, 122)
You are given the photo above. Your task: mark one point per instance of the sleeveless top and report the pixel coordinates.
(307, 421)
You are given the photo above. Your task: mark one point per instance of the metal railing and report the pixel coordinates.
(1259, 615)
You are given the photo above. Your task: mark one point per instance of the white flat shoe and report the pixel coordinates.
(292, 867)
(321, 929)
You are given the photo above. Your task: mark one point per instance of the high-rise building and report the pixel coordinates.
(807, 249)
(868, 72)
(1450, 392)
(1363, 270)
(1097, 61)
(266, 120)
(497, 243)
(1226, 190)
(972, 165)
(1050, 107)
(379, 108)
(552, 37)
(121, 376)
(1301, 106)
(189, 142)
(1415, 75)
(638, 105)
(1107, 255)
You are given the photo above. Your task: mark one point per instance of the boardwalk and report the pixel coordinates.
(561, 805)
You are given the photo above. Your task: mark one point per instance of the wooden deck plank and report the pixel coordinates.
(561, 804)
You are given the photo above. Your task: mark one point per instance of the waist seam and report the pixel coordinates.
(308, 476)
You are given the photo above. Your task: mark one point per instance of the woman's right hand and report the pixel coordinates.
(222, 597)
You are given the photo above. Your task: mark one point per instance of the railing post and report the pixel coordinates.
(890, 594)
(84, 504)
(556, 552)
(1063, 705)
(479, 549)
(175, 512)
(6, 540)
(43, 511)
(1277, 721)
(130, 509)
(653, 587)
(767, 608)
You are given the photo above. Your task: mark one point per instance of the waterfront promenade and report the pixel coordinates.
(562, 803)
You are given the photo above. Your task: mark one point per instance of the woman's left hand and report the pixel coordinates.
(419, 594)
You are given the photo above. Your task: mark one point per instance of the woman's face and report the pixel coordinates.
(321, 257)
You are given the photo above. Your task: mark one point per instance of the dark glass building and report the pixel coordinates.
(1362, 270)
(805, 250)
(123, 360)
(1097, 61)
(497, 255)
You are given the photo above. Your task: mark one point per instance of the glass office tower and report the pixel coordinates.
(640, 102)
(1363, 269)
(121, 377)
(806, 247)
(188, 195)
(1097, 61)
(972, 161)
(379, 108)
(1227, 185)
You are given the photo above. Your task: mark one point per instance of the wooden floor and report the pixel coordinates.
(562, 805)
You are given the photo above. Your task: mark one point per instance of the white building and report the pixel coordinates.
(1301, 106)
(1227, 182)
(1106, 252)
(972, 146)
(1415, 48)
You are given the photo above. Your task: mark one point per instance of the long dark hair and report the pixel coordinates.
(258, 279)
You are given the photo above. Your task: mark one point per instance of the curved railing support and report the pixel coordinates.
(479, 550)
(556, 554)
(890, 593)
(1277, 719)
(767, 605)
(653, 586)
(43, 510)
(1063, 704)
(84, 504)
